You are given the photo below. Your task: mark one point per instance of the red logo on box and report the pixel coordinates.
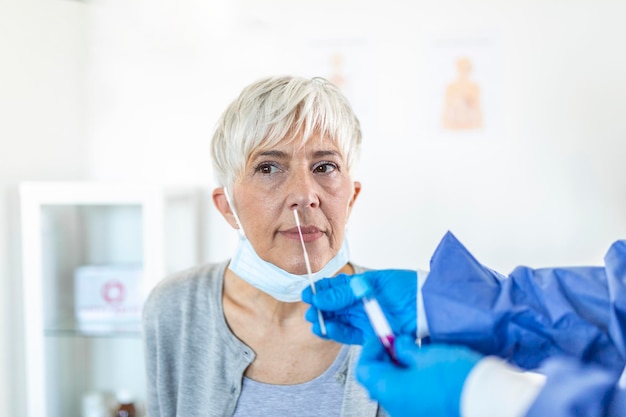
(113, 292)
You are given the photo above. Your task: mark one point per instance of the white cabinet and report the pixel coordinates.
(91, 254)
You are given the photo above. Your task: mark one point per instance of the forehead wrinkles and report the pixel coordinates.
(315, 146)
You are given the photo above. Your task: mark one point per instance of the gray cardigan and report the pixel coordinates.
(195, 364)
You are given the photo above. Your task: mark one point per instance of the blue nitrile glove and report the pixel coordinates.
(429, 384)
(344, 316)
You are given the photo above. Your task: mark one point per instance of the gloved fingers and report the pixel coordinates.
(342, 333)
(456, 357)
(374, 376)
(338, 327)
(311, 315)
(341, 315)
(326, 283)
(320, 285)
(383, 277)
(407, 351)
(372, 352)
(331, 293)
(372, 366)
(413, 356)
(317, 330)
(336, 296)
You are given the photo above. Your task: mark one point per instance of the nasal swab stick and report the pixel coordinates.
(308, 269)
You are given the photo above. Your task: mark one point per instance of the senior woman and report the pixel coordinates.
(230, 339)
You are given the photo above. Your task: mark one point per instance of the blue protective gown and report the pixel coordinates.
(570, 322)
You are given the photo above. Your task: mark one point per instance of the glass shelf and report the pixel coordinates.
(105, 331)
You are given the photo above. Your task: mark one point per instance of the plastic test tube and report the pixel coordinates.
(361, 289)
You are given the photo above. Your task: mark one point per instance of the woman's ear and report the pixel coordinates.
(357, 190)
(221, 203)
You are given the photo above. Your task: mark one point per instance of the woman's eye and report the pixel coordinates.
(324, 167)
(266, 168)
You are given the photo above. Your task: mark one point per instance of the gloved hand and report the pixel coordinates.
(344, 315)
(430, 384)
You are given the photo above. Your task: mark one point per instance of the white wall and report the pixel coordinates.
(42, 55)
(549, 189)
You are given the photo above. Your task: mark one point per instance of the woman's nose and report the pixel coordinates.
(303, 189)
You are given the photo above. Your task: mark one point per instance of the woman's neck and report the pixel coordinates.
(245, 297)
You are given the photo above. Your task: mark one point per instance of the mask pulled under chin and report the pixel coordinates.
(275, 281)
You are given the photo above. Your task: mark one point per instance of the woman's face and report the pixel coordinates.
(311, 178)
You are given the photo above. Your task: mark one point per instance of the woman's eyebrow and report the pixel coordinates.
(323, 153)
(270, 152)
(282, 155)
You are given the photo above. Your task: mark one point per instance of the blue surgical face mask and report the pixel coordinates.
(267, 277)
(277, 282)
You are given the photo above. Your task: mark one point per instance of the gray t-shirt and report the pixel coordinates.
(320, 397)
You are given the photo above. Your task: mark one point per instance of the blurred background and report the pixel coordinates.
(519, 149)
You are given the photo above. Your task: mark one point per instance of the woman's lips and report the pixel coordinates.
(309, 233)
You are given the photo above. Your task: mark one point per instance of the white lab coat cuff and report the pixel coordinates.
(496, 389)
(422, 322)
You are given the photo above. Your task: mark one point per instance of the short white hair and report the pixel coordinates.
(276, 108)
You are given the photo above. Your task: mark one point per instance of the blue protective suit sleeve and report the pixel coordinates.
(531, 315)
(575, 389)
